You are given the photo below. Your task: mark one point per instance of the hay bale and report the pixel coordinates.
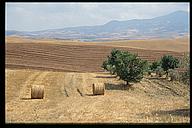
(37, 92)
(98, 89)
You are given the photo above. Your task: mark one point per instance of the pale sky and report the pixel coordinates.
(42, 16)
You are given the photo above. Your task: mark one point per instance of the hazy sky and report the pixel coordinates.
(41, 16)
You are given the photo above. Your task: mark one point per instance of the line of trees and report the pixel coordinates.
(130, 68)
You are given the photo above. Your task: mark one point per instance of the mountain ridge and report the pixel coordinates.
(167, 26)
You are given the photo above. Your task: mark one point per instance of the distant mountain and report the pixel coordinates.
(11, 33)
(167, 26)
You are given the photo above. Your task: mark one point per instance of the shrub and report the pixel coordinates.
(159, 71)
(185, 63)
(174, 75)
(149, 71)
(155, 65)
(185, 77)
(169, 62)
(146, 67)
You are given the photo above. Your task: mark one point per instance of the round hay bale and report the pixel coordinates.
(37, 92)
(98, 89)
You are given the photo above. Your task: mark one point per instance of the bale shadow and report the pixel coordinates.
(25, 98)
(109, 86)
(175, 112)
(89, 95)
(93, 95)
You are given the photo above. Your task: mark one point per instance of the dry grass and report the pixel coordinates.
(151, 100)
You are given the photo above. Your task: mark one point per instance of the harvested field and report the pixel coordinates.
(69, 99)
(67, 70)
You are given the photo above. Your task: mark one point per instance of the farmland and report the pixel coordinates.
(72, 56)
(64, 67)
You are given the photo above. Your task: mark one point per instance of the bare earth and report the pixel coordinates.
(68, 95)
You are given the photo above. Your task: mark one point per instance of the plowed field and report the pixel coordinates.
(65, 57)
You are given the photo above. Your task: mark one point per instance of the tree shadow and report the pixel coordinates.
(94, 95)
(156, 78)
(105, 77)
(109, 86)
(175, 112)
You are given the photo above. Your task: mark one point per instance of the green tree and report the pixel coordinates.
(155, 65)
(104, 65)
(169, 62)
(127, 66)
(112, 60)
